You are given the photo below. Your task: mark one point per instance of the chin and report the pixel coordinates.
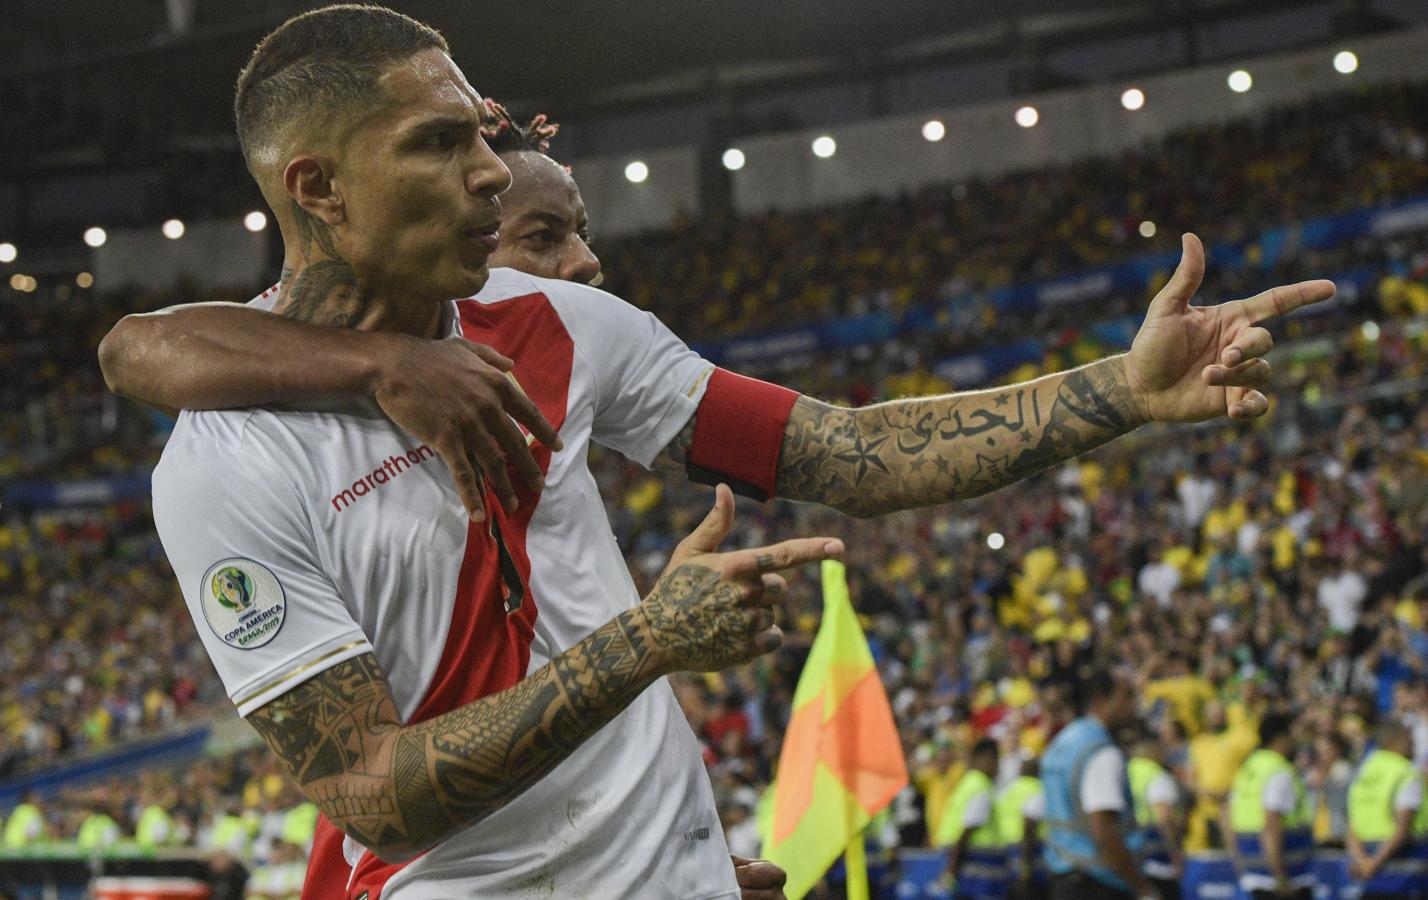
(465, 281)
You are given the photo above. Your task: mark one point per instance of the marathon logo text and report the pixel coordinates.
(388, 470)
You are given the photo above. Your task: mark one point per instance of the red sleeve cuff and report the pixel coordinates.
(738, 433)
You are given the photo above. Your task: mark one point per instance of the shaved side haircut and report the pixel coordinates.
(319, 66)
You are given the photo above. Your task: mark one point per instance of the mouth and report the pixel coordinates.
(489, 235)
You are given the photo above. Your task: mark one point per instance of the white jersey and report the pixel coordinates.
(303, 538)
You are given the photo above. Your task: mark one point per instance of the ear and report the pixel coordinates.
(309, 181)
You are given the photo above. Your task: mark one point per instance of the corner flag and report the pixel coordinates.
(842, 760)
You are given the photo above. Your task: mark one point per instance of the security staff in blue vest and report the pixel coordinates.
(1090, 815)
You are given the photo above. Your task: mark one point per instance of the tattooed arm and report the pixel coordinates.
(930, 450)
(1187, 363)
(398, 790)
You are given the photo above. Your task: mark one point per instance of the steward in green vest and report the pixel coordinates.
(299, 825)
(977, 859)
(1019, 809)
(1388, 828)
(1157, 798)
(97, 833)
(1269, 819)
(26, 824)
(231, 834)
(155, 828)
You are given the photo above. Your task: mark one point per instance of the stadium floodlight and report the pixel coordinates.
(1133, 99)
(933, 130)
(824, 147)
(17, 282)
(636, 172)
(1027, 116)
(733, 159)
(1346, 62)
(173, 229)
(95, 237)
(8, 252)
(996, 541)
(255, 221)
(84, 280)
(1240, 81)
(1147, 229)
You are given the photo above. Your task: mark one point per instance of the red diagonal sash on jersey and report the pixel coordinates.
(488, 646)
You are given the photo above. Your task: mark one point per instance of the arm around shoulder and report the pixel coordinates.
(226, 355)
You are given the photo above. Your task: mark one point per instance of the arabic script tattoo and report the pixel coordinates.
(931, 450)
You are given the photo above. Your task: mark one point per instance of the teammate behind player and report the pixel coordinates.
(545, 229)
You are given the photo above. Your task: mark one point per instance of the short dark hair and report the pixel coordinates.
(985, 747)
(1100, 684)
(505, 134)
(328, 59)
(1273, 726)
(1391, 729)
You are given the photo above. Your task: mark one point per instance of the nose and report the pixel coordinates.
(578, 262)
(487, 175)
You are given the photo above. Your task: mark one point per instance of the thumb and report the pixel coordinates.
(710, 533)
(1175, 296)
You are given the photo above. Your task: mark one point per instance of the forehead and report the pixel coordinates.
(540, 185)
(424, 85)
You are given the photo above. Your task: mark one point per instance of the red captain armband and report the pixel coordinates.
(738, 433)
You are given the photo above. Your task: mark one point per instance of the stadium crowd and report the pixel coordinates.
(1235, 570)
(711, 278)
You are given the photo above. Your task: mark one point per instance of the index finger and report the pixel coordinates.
(1286, 298)
(468, 483)
(786, 555)
(523, 409)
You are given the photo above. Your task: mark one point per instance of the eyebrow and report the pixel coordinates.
(545, 217)
(439, 123)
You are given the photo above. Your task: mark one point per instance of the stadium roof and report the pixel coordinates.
(139, 73)
(595, 53)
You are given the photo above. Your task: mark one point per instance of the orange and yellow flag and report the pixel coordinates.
(842, 760)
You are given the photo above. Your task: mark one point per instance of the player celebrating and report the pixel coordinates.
(545, 232)
(411, 668)
(378, 180)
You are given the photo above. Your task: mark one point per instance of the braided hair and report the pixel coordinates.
(504, 134)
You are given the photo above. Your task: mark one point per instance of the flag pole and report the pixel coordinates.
(856, 864)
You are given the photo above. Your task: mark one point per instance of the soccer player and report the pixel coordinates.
(545, 229)
(545, 232)
(365, 139)
(414, 671)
